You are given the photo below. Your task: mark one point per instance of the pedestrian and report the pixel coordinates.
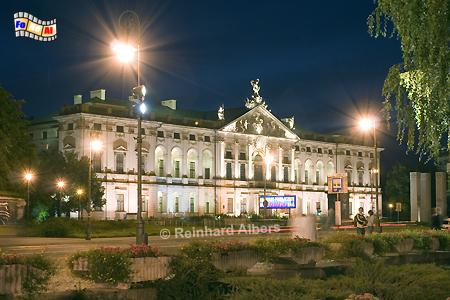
(370, 222)
(436, 220)
(360, 222)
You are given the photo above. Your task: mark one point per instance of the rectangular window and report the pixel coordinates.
(242, 172)
(191, 205)
(243, 206)
(347, 152)
(230, 209)
(160, 204)
(319, 150)
(120, 129)
(242, 155)
(176, 170)
(228, 174)
(119, 162)
(161, 167)
(97, 126)
(317, 176)
(360, 154)
(160, 133)
(285, 160)
(176, 135)
(192, 137)
(120, 198)
(144, 203)
(286, 174)
(70, 126)
(207, 138)
(207, 207)
(207, 173)
(177, 204)
(307, 177)
(44, 135)
(297, 148)
(360, 178)
(308, 149)
(228, 155)
(143, 131)
(371, 155)
(273, 173)
(192, 169)
(97, 162)
(330, 152)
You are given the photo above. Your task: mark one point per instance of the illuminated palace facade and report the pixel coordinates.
(197, 163)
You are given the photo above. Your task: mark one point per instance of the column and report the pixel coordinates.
(250, 164)
(292, 179)
(280, 164)
(441, 197)
(236, 159)
(414, 188)
(425, 197)
(221, 159)
(267, 167)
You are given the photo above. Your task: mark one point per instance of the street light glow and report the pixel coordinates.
(124, 52)
(391, 205)
(143, 108)
(28, 176)
(60, 184)
(366, 124)
(96, 145)
(80, 192)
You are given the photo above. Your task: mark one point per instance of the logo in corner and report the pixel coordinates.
(28, 25)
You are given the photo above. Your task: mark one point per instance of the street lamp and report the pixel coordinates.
(125, 53)
(96, 146)
(80, 192)
(268, 160)
(28, 176)
(366, 125)
(60, 184)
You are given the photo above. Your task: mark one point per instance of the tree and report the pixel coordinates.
(74, 171)
(418, 88)
(16, 148)
(396, 189)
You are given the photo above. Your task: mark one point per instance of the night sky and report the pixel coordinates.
(315, 59)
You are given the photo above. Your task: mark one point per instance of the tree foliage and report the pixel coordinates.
(54, 165)
(16, 149)
(396, 188)
(417, 89)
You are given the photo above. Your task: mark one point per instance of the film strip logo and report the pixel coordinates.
(28, 25)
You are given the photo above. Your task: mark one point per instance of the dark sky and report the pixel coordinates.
(315, 59)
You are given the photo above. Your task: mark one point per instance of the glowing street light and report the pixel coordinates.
(28, 177)
(80, 193)
(124, 52)
(60, 184)
(368, 124)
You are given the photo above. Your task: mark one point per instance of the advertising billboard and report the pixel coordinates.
(285, 201)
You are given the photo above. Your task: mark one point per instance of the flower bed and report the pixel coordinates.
(114, 265)
(27, 275)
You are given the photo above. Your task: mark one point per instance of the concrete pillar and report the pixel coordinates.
(292, 179)
(425, 197)
(441, 193)
(414, 190)
(250, 164)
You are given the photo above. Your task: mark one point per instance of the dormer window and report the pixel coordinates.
(319, 150)
(160, 134)
(347, 152)
(192, 137)
(70, 126)
(207, 138)
(176, 135)
(308, 149)
(119, 129)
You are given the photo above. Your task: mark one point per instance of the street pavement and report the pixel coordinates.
(59, 247)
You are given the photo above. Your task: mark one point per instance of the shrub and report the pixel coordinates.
(109, 265)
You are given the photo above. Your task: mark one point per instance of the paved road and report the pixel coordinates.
(65, 246)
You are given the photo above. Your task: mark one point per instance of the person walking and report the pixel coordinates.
(360, 222)
(370, 222)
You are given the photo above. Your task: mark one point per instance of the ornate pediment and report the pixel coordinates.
(259, 121)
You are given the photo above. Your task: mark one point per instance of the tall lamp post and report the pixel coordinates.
(268, 160)
(367, 125)
(80, 192)
(60, 184)
(28, 176)
(125, 53)
(94, 146)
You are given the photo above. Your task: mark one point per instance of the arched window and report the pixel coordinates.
(330, 168)
(207, 164)
(319, 172)
(360, 169)
(160, 153)
(308, 171)
(176, 162)
(297, 170)
(258, 167)
(349, 170)
(192, 162)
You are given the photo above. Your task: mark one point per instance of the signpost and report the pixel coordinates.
(338, 184)
(398, 209)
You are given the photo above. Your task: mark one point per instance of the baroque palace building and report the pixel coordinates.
(197, 163)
